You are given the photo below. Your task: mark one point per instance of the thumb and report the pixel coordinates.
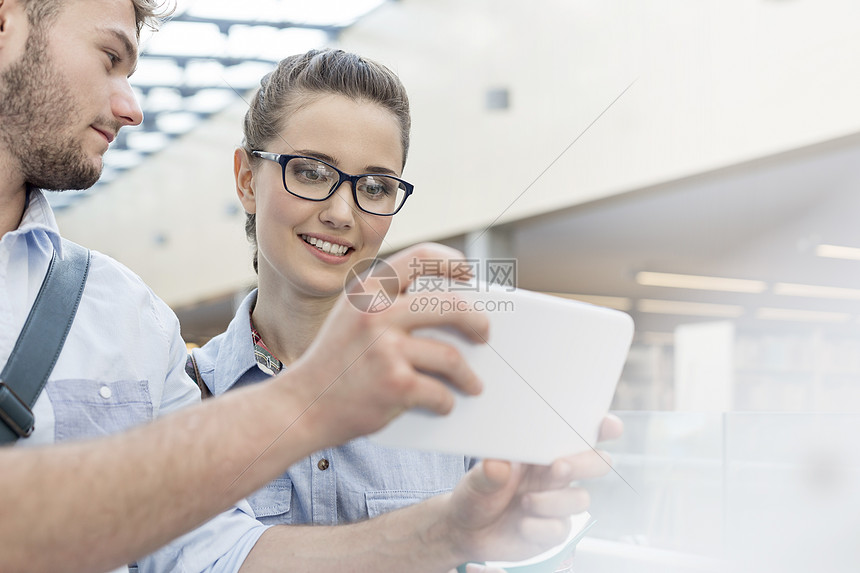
(493, 475)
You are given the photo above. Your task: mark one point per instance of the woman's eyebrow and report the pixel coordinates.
(329, 159)
(316, 155)
(380, 170)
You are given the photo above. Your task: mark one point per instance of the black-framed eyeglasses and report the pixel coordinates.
(315, 180)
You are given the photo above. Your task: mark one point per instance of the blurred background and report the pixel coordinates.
(694, 164)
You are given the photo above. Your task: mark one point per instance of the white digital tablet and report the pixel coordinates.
(549, 368)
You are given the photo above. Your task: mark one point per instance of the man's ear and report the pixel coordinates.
(14, 27)
(244, 180)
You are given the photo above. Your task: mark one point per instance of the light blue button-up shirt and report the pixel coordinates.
(348, 483)
(122, 365)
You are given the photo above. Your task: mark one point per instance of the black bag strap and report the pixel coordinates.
(194, 373)
(39, 344)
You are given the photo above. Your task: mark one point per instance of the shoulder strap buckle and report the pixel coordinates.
(14, 412)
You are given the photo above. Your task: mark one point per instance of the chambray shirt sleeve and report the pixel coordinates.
(222, 544)
(219, 546)
(178, 390)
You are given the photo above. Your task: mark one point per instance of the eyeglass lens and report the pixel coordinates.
(315, 180)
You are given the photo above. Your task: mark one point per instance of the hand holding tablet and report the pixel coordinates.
(549, 368)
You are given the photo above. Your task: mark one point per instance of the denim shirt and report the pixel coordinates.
(122, 365)
(352, 482)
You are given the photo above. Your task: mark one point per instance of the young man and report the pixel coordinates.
(129, 487)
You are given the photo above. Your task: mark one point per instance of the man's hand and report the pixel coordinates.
(365, 368)
(503, 511)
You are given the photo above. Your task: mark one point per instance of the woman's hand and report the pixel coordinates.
(504, 511)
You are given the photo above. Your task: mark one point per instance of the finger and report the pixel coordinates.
(431, 393)
(589, 464)
(491, 475)
(558, 475)
(438, 358)
(611, 428)
(428, 259)
(544, 532)
(418, 310)
(557, 503)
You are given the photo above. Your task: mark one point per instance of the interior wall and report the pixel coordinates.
(717, 82)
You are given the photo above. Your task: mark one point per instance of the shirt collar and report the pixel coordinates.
(39, 218)
(236, 349)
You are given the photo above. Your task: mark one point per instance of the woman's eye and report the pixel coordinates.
(316, 175)
(373, 188)
(312, 174)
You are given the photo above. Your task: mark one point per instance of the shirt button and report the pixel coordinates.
(105, 392)
(322, 464)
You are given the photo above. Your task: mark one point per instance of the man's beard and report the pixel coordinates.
(37, 110)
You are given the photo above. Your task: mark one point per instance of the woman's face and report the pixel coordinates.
(355, 137)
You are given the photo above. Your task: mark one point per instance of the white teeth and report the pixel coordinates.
(325, 246)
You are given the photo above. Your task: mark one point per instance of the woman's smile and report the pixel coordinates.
(329, 247)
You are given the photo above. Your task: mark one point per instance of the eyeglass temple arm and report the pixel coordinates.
(267, 155)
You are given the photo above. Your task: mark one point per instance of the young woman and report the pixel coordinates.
(319, 176)
(325, 142)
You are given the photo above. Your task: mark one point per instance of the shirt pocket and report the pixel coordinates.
(88, 408)
(379, 502)
(271, 503)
